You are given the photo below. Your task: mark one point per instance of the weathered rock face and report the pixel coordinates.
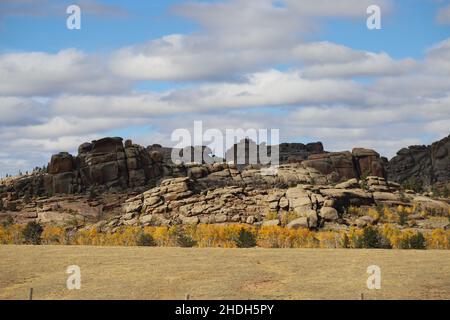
(346, 165)
(226, 195)
(297, 152)
(61, 163)
(426, 164)
(183, 201)
(338, 164)
(110, 164)
(368, 162)
(188, 201)
(105, 164)
(242, 152)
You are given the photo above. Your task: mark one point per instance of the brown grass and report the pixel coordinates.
(171, 273)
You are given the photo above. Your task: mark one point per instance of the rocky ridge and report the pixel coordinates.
(187, 201)
(424, 165)
(115, 184)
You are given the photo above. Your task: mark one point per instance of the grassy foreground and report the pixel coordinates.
(171, 273)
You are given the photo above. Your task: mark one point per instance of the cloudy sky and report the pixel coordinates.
(140, 69)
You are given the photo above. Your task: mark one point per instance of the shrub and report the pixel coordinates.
(402, 218)
(219, 236)
(418, 241)
(145, 240)
(246, 239)
(12, 234)
(413, 184)
(230, 236)
(272, 215)
(372, 238)
(329, 239)
(274, 237)
(355, 211)
(27, 197)
(32, 233)
(380, 209)
(344, 241)
(445, 192)
(8, 222)
(2, 206)
(92, 193)
(411, 240)
(73, 222)
(129, 236)
(438, 239)
(390, 215)
(287, 217)
(402, 196)
(363, 180)
(304, 238)
(53, 235)
(183, 239)
(373, 213)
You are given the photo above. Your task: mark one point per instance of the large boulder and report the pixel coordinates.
(61, 163)
(348, 165)
(298, 223)
(64, 183)
(440, 160)
(368, 162)
(344, 198)
(297, 152)
(299, 200)
(107, 163)
(107, 145)
(329, 214)
(425, 165)
(340, 163)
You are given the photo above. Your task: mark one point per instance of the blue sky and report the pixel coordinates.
(141, 21)
(408, 30)
(141, 69)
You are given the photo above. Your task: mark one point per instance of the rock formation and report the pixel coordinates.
(186, 201)
(426, 165)
(124, 184)
(105, 164)
(347, 165)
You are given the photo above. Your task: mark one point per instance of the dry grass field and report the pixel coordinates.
(171, 273)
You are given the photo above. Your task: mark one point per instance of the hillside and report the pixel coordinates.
(113, 184)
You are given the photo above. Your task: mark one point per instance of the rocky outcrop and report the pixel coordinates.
(339, 166)
(241, 152)
(369, 163)
(110, 164)
(188, 201)
(105, 164)
(424, 165)
(297, 197)
(297, 152)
